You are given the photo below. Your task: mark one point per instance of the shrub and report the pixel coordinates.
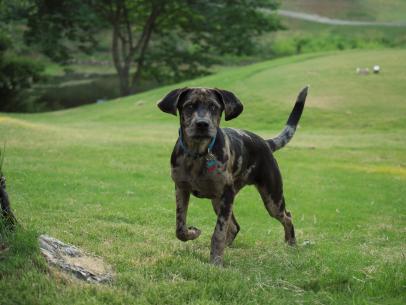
(17, 75)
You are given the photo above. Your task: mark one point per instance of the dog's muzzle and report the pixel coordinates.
(202, 129)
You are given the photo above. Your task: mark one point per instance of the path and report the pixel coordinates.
(326, 20)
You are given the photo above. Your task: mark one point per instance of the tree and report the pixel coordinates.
(17, 73)
(188, 30)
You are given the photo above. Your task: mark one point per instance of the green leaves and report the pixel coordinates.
(17, 74)
(168, 40)
(58, 28)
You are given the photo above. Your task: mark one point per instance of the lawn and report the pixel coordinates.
(98, 177)
(306, 37)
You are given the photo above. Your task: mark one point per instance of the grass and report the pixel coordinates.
(98, 177)
(308, 37)
(302, 36)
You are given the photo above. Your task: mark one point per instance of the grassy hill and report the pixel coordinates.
(304, 36)
(98, 177)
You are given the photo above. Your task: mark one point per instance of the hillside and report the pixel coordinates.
(303, 36)
(98, 176)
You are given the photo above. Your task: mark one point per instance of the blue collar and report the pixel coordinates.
(192, 154)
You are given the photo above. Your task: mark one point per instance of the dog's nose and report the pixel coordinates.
(202, 124)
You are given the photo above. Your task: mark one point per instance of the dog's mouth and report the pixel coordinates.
(201, 134)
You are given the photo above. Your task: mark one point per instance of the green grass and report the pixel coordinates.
(316, 37)
(98, 177)
(302, 36)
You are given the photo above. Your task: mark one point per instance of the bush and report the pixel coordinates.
(17, 75)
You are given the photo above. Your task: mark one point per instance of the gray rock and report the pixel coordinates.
(73, 260)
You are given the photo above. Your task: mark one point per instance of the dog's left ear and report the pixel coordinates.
(170, 102)
(232, 105)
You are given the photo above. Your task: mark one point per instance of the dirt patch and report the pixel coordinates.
(94, 265)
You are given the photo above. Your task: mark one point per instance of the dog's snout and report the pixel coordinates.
(202, 124)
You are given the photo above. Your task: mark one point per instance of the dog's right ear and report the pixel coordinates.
(169, 103)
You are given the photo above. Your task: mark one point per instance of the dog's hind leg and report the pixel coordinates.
(233, 226)
(278, 210)
(182, 202)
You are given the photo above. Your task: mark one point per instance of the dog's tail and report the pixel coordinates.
(287, 133)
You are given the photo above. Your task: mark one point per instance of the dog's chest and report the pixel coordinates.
(203, 177)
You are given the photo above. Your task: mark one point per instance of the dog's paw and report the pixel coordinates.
(190, 233)
(193, 233)
(216, 260)
(291, 242)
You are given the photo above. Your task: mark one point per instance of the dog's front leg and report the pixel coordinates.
(182, 202)
(218, 240)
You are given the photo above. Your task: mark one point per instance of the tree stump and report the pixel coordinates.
(6, 213)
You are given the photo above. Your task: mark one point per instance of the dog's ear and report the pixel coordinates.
(232, 105)
(170, 102)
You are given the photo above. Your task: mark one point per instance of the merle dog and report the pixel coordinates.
(216, 163)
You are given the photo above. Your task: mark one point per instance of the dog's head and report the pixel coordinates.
(200, 109)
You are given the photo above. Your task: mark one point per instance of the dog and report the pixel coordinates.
(216, 163)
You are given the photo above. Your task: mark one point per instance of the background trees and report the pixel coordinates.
(99, 50)
(154, 38)
(17, 73)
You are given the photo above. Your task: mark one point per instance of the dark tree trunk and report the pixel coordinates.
(124, 81)
(125, 49)
(149, 27)
(6, 212)
(121, 64)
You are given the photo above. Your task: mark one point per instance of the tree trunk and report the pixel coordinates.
(124, 49)
(6, 213)
(122, 66)
(148, 28)
(124, 82)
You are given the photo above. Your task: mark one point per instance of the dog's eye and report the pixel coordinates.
(213, 107)
(189, 107)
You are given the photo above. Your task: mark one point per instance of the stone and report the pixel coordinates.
(75, 261)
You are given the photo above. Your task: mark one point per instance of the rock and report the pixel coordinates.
(73, 260)
(308, 243)
(362, 71)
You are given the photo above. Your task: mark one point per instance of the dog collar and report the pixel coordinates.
(192, 154)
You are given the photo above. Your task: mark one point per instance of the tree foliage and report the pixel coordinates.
(17, 73)
(151, 37)
(55, 24)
